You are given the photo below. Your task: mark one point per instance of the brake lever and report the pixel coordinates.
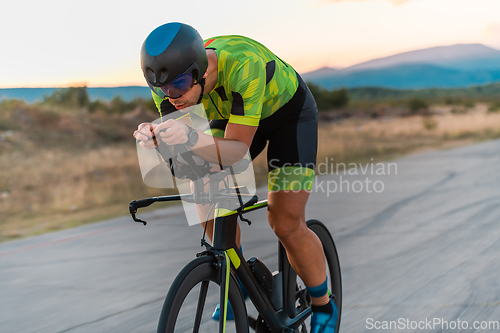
(240, 214)
(136, 204)
(133, 211)
(241, 209)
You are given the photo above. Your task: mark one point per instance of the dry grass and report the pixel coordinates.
(362, 139)
(41, 190)
(50, 189)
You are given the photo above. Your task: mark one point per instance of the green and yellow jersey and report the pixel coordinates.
(253, 83)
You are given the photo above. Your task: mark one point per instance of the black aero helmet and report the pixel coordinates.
(173, 58)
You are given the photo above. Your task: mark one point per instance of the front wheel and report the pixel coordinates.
(193, 296)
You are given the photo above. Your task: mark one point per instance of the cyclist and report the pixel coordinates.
(252, 98)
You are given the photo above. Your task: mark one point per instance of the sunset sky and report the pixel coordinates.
(57, 43)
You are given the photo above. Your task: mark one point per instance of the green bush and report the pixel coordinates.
(149, 104)
(469, 104)
(429, 123)
(326, 99)
(338, 98)
(494, 107)
(451, 101)
(98, 105)
(459, 110)
(118, 106)
(72, 97)
(417, 105)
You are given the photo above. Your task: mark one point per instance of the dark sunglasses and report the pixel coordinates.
(175, 89)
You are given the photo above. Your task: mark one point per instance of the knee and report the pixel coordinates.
(286, 225)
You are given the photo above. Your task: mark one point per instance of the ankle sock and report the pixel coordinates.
(327, 308)
(319, 292)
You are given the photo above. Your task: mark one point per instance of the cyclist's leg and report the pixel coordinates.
(292, 159)
(305, 253)
(286, 213)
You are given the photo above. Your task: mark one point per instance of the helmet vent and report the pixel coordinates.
(163, 75)
(151, 77)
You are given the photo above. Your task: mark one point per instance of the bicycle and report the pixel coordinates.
(282, 303)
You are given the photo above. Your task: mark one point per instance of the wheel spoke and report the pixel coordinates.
(201, 305)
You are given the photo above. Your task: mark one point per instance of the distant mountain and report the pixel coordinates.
(31, 95)
(460, 56)
(458, 65)
(409, 76)
(323, 72)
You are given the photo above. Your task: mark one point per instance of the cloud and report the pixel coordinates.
(395, 2)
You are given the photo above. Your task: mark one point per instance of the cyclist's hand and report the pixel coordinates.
(172, 132)
(144, 133)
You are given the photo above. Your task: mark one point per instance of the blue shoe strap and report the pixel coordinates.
(325, 319)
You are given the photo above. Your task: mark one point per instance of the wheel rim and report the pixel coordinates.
(332, 265)
(183, 312)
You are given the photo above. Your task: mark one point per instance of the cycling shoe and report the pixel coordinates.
(324, 322)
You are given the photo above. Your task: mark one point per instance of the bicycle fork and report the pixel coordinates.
(224, 265)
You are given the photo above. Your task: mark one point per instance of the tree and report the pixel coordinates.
(73, 97)
(327, 100)
(417, 105)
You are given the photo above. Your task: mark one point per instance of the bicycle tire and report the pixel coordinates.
(199, 270)
(332, 260)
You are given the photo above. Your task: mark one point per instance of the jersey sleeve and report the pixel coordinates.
(248, 84)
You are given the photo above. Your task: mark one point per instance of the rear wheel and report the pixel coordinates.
(193, 296)
(332, 264)
(297, 290)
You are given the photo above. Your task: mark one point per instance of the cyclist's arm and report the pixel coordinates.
(246, 85)
(225, 151)
(228, 150)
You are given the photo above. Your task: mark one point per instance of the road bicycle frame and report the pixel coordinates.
(278, 312)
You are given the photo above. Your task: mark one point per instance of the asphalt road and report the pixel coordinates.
(424, 250)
